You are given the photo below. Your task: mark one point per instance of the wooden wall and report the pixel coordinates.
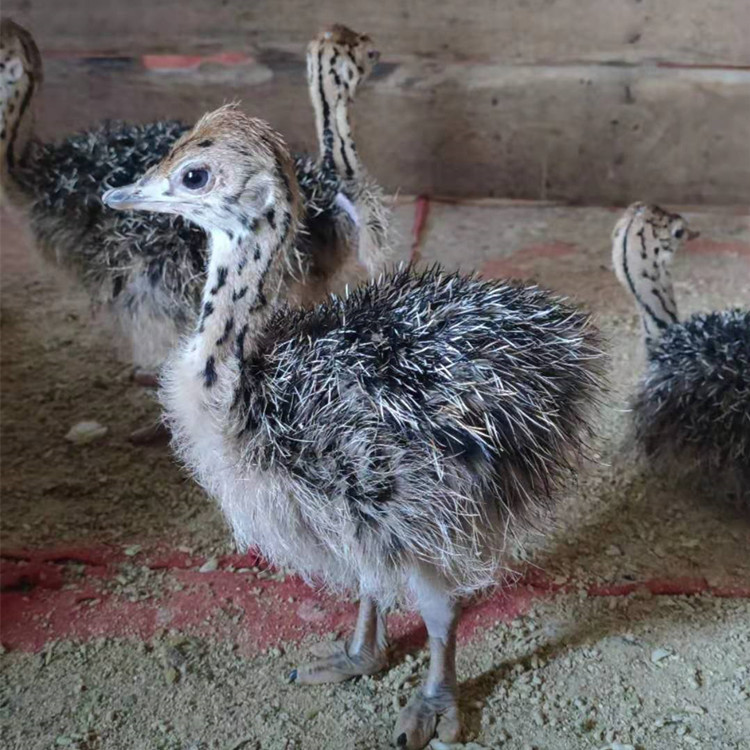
(602, 101)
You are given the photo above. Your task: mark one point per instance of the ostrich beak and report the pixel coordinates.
(148, 194)
(692, 234)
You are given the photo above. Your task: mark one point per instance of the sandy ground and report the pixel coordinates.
(128, 622)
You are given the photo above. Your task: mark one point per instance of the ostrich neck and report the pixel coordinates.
(16, 128)
(244, 280)
(345, 155)
(643, 270)
(332, 118)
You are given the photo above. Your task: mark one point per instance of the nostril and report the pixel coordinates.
(114, 195)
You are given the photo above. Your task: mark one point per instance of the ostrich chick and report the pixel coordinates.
(148, 270)
(393, 441)
(337, 62)
(691, 409)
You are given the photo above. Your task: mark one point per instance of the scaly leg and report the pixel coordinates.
(435, 704)
(363, 654)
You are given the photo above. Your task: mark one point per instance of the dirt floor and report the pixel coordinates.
(128, 621)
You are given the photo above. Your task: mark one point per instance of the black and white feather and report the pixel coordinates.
(424, 419)
(691, 408)
(146, 270)
(419, 425)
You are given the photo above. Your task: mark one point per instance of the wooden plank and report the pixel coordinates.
(702, 32)
(574, 133)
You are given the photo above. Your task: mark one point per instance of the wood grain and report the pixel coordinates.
(699, 32)
(588, 133)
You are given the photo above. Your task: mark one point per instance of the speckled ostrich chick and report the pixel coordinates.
(337, 62)
(395, 441)
(691, 409)
(148, 270)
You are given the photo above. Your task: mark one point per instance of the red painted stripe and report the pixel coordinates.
(421, 212)
(66, 593)
(191, 62)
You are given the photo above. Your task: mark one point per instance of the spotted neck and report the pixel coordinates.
(331, 96)
(245, 278)
(642, 264)
(16, 124)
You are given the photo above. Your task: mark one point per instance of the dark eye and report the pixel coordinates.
(194, 179)
(373, 54)
(679, 233)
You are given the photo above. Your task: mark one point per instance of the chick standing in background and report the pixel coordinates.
(148, 270)
(691, 409)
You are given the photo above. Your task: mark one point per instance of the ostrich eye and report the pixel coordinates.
(13, 70)
(679, 233)
(195, 179)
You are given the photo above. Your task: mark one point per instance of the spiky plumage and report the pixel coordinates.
(68, 176)
(422, 420)
(397, 441)
(426, 418)
(691, 408)
(147, 270)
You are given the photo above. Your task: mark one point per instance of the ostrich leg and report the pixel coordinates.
(435, 704)
(364, 653)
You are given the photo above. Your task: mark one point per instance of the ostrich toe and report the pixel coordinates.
(336, 662)
(422, 715)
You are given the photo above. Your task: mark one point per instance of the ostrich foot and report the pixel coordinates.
(337, 662)
(423, 714)
(154, 434)
(366, 652)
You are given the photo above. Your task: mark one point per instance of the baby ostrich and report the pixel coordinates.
(148, 270)
(392, 441)
(137, 268)
(336, 63)
(691, 409)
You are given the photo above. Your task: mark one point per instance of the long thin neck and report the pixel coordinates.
(16, 129)
(641, 264)
(245, 278)
(330, 99)
(345, 155)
